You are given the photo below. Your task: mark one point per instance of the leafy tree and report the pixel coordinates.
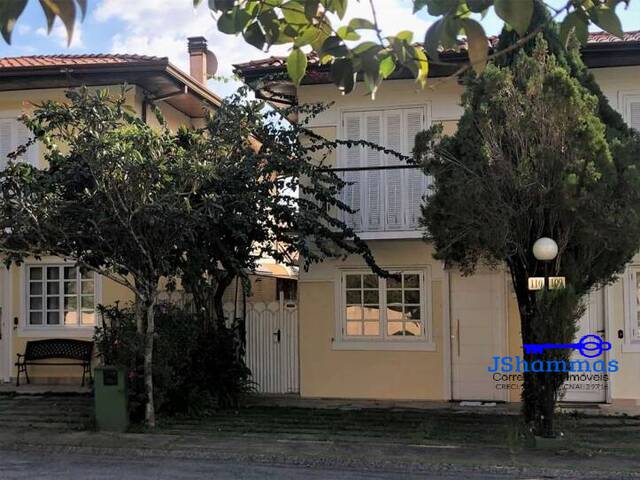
(538, 152)
(258, 207)
(143, 206)
(109, 200)
(318, 25)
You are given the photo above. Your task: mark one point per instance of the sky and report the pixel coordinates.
(161, 28)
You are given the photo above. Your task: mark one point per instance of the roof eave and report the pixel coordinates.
(595, 55)
(53, 76)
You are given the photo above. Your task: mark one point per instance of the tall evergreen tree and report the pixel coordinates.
(538, 152)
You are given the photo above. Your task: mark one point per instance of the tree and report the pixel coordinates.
(109, 201)
(538, 152)
(254, 205)
(318, 25)
(142, 206)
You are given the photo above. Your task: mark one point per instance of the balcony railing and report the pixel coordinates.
(386, 198)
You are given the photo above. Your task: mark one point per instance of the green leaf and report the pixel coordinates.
(221, 5)
(419, 5)
(422, 65)
(254, 36)
(308, 36)
(607, 20)
(340, 7)
(334, 47)
(440, 7)
(516, 13)
(83, 8)
(296, 65)
(405, 35)
(387, 66)
(346, 33)
(432, 39)
(9, 13)
(294, 13)
(478, 45)
(49, 14)
(226, 23)
(67, 13)
(311, 9)
(343, 75)
(365, 47)
(478, 6)
(361, 24)
(576, 23)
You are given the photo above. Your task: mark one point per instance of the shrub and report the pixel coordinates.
(195, 369)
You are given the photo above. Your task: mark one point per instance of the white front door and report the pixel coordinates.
(588, 386)
(478, 315)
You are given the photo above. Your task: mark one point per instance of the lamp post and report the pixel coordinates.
(545, 250)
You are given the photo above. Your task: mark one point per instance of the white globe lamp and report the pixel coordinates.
(545, 249)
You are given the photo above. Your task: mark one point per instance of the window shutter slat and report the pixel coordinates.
(373, 197)
(634, 115)
(23, 134)
(6, 142)
(416, 181)
(353, 159)
(394, 178)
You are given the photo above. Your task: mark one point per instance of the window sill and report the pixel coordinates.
(631, 348)
(57, 332)
(415, 346)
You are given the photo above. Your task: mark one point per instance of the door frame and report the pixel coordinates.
(6, 343)
(606, 315)
(501, 334)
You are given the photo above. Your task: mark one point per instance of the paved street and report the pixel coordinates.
(20, 465)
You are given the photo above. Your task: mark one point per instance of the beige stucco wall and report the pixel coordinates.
(12, 282)
(326, 371)
(329, 372)
(12, 285)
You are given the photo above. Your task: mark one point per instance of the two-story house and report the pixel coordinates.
(432, 334)
(50, 297)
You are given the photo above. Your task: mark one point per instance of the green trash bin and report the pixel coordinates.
(111, 402)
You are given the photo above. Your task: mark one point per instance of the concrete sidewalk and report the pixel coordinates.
(494, 408)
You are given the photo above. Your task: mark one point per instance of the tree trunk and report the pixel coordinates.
(145, 321)
(539, 388)
(150, 414)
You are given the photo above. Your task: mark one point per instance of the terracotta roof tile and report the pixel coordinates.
(275, 61)
(70, 60)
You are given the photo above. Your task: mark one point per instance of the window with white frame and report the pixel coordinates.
(630, 104)
(386, 309)
(387, 198)
(59, 296)
(13, 134)
(633, 304)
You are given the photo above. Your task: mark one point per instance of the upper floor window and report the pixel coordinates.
(386, 198)
(631, 109)
(13, 134)
(60, 295)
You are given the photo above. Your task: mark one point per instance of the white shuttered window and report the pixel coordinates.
(386, 199)
(12, 135)
(631, 110)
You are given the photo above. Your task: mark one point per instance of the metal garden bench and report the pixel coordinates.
(37, 350)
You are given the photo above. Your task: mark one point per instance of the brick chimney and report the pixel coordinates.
(198, 59)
